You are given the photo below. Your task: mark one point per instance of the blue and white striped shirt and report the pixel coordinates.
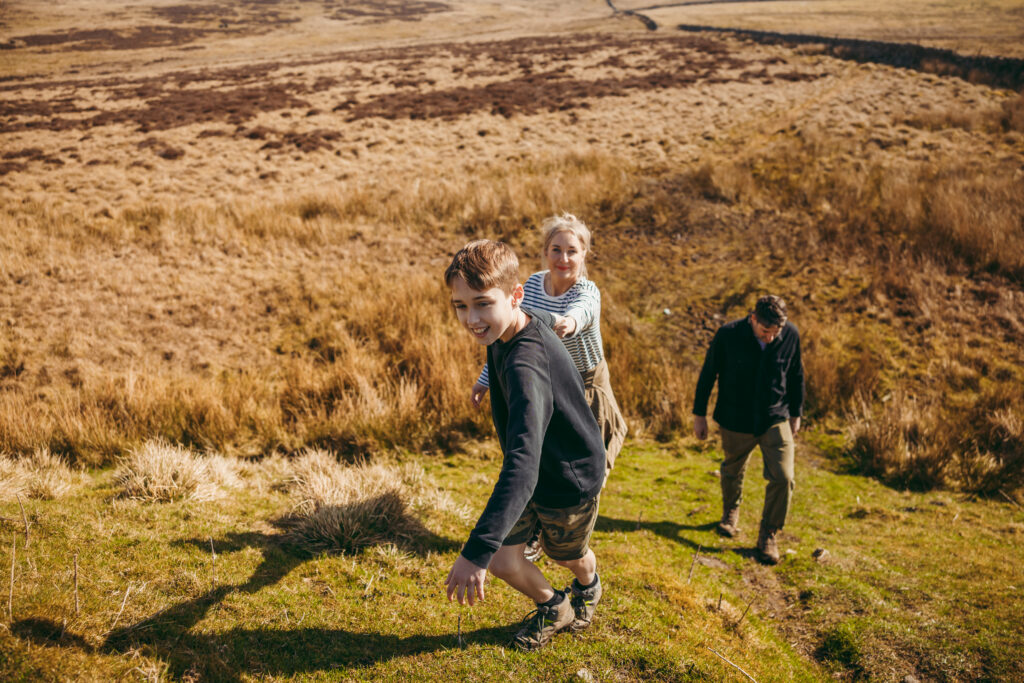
(582, 301)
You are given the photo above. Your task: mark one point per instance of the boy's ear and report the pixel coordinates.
(517, 295)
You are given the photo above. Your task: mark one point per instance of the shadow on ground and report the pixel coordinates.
(672, 531)
(238, 653)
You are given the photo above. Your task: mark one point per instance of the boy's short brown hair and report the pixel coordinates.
(485, 264)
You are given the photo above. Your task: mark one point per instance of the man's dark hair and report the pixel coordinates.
(770, 311)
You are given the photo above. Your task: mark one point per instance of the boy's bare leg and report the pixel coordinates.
(509, 565)
(584, 568)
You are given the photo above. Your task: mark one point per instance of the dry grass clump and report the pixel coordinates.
(13, 479)
(974, 442)
(161, 472)
(40, 475)
(898, 443)
(341, 508)
(843, 367)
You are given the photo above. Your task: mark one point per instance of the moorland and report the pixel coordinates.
(221, 241)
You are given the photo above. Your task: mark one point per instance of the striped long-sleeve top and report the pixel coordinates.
(582, 301)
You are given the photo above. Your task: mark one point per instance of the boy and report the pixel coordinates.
(554, 459)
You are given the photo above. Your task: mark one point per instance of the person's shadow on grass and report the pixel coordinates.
(673, 531)
(168, 634)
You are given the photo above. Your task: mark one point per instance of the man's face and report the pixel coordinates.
(766, 334)
(487, 315)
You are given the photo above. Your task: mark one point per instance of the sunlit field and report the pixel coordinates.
(222, 232)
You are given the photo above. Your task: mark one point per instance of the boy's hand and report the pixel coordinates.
(466, 581)
(478, 394)
(564, 326)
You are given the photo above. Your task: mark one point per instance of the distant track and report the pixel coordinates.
(651, 24)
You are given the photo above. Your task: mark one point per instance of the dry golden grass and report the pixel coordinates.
(160, 472)
(40, 475)
(344, 508)
(252, 296)
(991, 27)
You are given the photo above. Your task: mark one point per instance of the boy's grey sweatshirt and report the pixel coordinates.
(552, 446)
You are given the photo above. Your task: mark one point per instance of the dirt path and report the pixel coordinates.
(647, 21)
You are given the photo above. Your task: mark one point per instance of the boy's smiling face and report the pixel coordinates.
(488, 315)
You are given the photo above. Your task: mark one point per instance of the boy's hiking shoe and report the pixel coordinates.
(767, 548)
(542, 624)
(584, 602)
(730, 524)
(533, 552)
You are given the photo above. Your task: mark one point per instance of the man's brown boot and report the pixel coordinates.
(730, 524)
(767, 548)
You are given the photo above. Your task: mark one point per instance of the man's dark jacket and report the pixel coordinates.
(553, 450)
(756, 388)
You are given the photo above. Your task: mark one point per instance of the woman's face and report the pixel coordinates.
(565, 256)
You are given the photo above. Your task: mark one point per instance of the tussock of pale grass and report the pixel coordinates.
(13, 479)
(975, 441)
(160, 472)
(41, 475)
(898, 443)
(341, 508)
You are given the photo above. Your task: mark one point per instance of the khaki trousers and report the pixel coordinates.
(777, 454)
(598, 389)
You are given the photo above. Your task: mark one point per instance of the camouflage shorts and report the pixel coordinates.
(564, 532)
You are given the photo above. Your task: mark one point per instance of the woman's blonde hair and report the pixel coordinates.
(567, 223)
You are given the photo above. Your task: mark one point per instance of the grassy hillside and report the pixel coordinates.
(221, 589)
(222, 230)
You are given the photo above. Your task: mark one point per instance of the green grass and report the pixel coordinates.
(925, 584)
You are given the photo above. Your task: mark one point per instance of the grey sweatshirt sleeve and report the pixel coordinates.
(530, 409)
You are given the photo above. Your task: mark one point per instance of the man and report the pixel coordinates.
(756, 361)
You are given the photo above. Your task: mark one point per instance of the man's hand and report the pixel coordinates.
(794, 424)
(700, 427)
(466, 581)
(478, 394)
(565, 325)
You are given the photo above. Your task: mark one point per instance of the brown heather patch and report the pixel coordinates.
(134, 38)
(184, 107)
(384, 10)
(551, 81)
